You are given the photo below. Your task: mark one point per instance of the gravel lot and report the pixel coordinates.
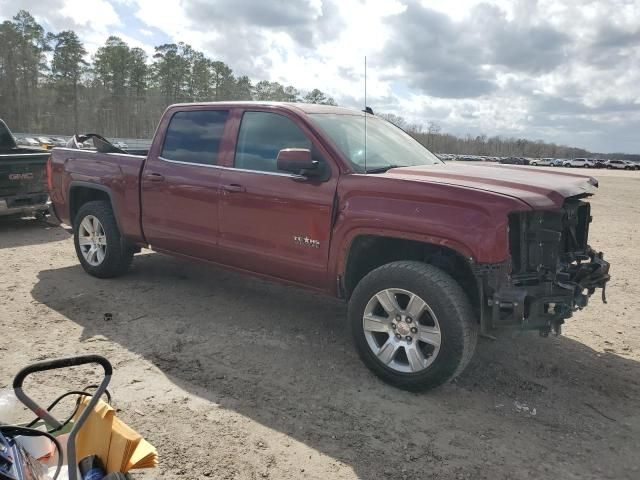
(236, 378)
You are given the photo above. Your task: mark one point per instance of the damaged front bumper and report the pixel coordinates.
(551, 274)
(546, 305)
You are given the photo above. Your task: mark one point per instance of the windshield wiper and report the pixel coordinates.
(382, 169)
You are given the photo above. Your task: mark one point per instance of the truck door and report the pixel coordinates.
(271, 222)
(180, 185)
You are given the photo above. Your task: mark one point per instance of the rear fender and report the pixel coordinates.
(77, 184)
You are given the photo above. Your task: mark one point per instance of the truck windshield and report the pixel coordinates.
(387, 145)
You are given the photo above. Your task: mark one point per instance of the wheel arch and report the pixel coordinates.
(366, 252)
(82, 192)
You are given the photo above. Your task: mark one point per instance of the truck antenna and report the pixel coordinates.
(365, 114)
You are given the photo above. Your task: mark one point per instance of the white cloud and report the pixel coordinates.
(92, 20)
(93, 13)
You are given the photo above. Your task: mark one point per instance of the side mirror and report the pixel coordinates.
(298, 161)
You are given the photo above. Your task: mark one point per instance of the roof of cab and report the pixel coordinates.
(304, 107)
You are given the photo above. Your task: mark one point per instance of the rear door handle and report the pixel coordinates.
(233, 188)
(154, 177)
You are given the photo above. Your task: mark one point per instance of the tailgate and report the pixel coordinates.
(24, 173)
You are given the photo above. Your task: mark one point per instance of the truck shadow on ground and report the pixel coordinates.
(21, 232)
(283, 357)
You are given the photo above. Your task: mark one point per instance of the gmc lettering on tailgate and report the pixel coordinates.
(21, 176)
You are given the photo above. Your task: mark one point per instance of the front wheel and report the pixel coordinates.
(99, 245)
(412, 325)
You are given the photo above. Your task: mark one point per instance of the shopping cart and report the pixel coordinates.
(19, 470)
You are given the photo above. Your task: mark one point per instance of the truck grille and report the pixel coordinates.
(541, 241)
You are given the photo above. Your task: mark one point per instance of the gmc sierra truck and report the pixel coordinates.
(428, 254)
(23, 184)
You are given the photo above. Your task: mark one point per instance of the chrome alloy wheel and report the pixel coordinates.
(92, 240)
(401, 330)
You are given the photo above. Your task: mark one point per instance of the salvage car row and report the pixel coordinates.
(49, 142)
(547, 162)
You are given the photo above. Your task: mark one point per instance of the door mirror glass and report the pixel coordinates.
(298, 161)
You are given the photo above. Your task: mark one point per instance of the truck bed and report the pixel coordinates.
(117, 173)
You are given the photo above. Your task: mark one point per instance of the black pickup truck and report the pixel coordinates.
(23, 177)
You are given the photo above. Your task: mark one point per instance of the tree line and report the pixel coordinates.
(48, 86)
(432, 137)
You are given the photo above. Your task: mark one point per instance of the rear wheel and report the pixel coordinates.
(99, 245)
(412, 325)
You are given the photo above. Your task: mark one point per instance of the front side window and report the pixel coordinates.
(262, 135)
(194, 136)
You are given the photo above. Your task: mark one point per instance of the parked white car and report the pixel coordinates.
(622, 164)
(619, 164)
(543, 162)
(579, 162)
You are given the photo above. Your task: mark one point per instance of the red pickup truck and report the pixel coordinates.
(427, 254)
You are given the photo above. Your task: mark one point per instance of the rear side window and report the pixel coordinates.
(194, 137)
(262, 135)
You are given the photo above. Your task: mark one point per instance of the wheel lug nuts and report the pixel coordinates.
(408, 338)
(393, 325)
(414, 330)
(409, 320)
(398, 318)
(398, 336)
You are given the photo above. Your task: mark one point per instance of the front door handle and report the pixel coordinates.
(233, 188)
(154, 177)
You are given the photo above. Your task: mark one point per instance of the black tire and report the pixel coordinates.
(118, 255)
(445, 297)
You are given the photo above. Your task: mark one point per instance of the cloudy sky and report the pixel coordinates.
(566, 71)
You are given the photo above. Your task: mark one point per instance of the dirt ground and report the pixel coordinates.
(236, 378)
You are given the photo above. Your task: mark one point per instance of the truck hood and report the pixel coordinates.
(539, 188)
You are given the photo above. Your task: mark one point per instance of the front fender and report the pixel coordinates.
(473, 223)
(339, 255)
